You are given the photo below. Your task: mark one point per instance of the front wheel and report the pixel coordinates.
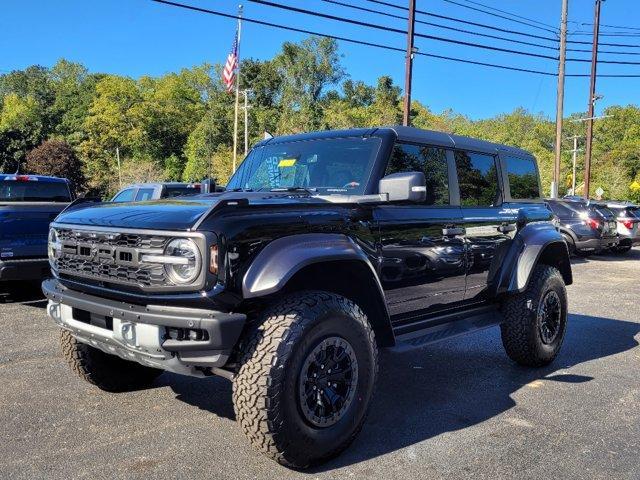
(306, 377)
(107, 372)
(536, 319)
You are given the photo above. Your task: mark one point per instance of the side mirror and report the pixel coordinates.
(405, 186)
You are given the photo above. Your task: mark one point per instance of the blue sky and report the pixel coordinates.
(138, 37)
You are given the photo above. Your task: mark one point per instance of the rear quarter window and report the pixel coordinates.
(523, 178)
(34, 191)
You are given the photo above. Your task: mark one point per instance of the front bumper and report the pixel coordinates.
(24, 269)
(140, 333)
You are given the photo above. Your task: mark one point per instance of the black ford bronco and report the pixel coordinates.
(324, 248)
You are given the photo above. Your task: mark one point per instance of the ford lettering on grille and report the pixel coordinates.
(112, 257)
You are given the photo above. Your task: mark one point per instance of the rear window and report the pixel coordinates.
(603, 211)
(523, 178)
(33, 191)
(565, 209)
(477, 178)
(181, 191)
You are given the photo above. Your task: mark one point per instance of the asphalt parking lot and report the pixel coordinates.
(457, 409)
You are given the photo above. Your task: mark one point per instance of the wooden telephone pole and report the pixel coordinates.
(592, 100)
(560, 98)
(408, 67)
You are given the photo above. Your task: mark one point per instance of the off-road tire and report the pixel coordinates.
(107, 372)
(265, 388)
(621, 250)
(521, 332)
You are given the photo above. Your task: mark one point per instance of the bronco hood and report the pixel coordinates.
(171, 213)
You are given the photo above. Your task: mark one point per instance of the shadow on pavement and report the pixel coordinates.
(631, 255)
(440, 388)
(26, 293)
(463, 384)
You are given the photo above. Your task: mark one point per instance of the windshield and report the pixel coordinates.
(33, 191)
(332, 165)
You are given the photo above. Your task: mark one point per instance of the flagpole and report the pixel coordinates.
(235, 115)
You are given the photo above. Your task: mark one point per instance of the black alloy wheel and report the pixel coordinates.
(549, 317)
(328, 381)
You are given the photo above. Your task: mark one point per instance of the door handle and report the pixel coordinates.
(452, 231)
(506, 227)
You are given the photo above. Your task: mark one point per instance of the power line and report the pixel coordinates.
(467, 22)
(349, 40)
(555, 31)
(613, 52)
(611, 26)
(584, 42)
(609, 34)
(375, 45)
(446, 27)
(509, 13)
(613, 62)
(493, 27)
(396, 30)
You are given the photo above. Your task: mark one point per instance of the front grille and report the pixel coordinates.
(111, 257)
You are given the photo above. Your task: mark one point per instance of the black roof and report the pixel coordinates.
(406, 134)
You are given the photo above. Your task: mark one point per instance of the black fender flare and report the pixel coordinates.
(280, 260)
(533, 244)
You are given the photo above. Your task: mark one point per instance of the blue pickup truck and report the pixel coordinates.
(28, 203)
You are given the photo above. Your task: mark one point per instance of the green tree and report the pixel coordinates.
(21, 129)
(307, 69)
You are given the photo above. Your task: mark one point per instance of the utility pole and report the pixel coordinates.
(235, 116)
(575, 158)
(408, 66)
(246, 107)
(560, 98)
(592, 100)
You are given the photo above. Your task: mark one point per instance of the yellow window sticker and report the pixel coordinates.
(287, 162)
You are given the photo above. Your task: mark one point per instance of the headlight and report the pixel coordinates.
(188, 260)
(53, 247)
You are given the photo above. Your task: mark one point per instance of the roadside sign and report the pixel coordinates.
(599, 192)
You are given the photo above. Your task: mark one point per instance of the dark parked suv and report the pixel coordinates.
(587, 226)
(324, 248)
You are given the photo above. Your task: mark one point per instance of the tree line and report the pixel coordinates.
(67, 121)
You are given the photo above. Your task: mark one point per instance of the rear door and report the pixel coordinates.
(422, 265)
(488, 226)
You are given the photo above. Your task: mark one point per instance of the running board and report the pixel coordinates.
(434, 329)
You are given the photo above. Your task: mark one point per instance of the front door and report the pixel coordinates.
(422, 251)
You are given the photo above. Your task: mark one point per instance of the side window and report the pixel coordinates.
(144, 194)
(124, 196)
(523, 178)
(430, 160)
(478, 179)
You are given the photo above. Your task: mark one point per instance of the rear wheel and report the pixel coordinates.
(570, 243)
(536, 319)
(105, 371)
(306, 377)
(621, 249)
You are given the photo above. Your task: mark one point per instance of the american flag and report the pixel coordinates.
(229, 72)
